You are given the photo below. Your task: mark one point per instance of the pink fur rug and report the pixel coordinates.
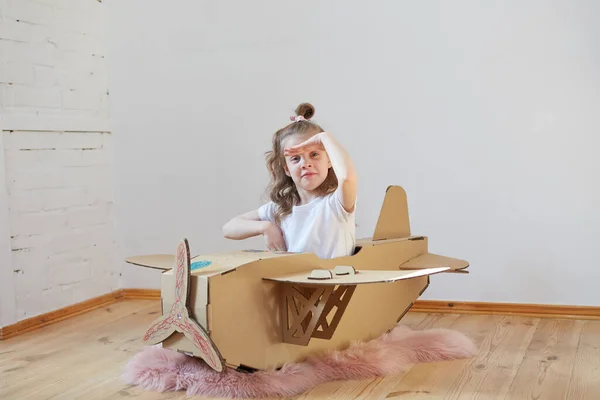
(158, 369)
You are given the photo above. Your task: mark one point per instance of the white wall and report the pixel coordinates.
(486, 114)
(7, 292)
(57, 244)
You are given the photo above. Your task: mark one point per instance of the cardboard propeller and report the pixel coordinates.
(178, 318)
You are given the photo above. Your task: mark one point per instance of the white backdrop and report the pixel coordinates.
(486, 114)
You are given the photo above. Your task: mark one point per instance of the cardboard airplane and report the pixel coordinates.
(256, 309)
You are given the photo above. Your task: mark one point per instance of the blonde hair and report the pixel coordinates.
(281, 189)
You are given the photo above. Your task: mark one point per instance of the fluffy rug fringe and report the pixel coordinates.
(158, 369)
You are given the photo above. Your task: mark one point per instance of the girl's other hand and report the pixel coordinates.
(274, 238)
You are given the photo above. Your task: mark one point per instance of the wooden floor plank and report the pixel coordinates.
(546, 368)
(519, 358)
(62, 332)
(490, 374)
(585, 376)
(31, 362)
(434, 380)
(88, 354)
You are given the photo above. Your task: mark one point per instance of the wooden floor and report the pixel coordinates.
(519, 358)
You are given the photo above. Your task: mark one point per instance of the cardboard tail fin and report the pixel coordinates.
(393, 222)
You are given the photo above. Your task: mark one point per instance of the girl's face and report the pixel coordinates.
(308, 169)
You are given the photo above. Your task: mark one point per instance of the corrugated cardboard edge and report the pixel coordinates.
(420, 306)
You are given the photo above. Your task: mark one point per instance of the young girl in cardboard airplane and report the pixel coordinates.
(312, 190)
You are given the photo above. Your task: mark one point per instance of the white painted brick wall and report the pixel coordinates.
(59, 180)
(53, 58)
(61, 217)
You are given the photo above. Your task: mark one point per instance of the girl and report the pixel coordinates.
(312, 190)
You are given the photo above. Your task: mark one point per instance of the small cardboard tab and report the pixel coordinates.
(344, 270)
(320, 274)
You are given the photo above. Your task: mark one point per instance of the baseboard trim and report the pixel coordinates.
(141, 294)
(39, 321)
(420, 306)
(525, 310)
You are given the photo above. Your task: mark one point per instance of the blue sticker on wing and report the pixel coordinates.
(200, 264)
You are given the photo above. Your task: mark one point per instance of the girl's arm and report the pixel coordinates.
(244, 226)
(344, 170)
(249, 224)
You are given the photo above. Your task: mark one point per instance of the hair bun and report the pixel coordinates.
(306, 110)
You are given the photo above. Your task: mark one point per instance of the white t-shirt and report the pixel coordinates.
(322, 227)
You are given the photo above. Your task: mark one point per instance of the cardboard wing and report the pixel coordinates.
(430, 260)
(205, 263)
(307, 299)
(331, 278)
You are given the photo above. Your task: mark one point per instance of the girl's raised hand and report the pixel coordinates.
(313, 143)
